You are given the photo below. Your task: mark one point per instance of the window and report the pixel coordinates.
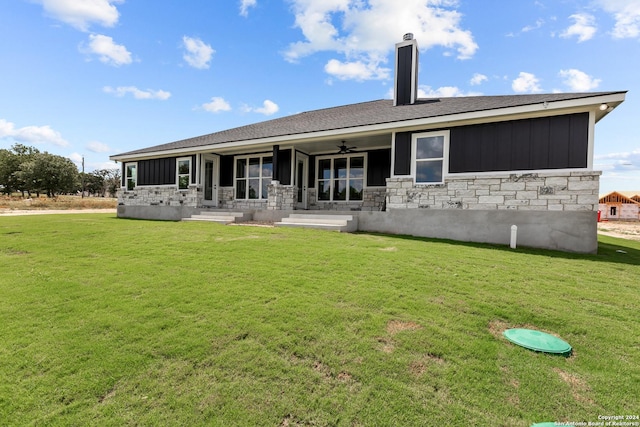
(184, 173)
(253, 175)
(341, 178)
(429, 151)
(614, 211)
(132, 175)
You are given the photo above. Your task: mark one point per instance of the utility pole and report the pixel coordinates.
(83, 177)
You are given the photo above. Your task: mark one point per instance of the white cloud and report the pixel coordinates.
(356, 70)
(137, 93)
(268, 108)
(245, 5)
(443, 92)
(76, 158)
(478, 79)
(539, 23)
(31, 134)
(583, 27)
(81, 14)
(216, 105)
(618, 162)
(366, 31)
(627, 16)
(98, 147)
(107, 50)
(578, 80)
(526, 83)
(198, 52)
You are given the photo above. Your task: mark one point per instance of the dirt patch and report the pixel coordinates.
(419, 367)
(578, 387)
(497, 327)
(290, 420)
(322, 368)
(620, 229)
(395, 326)
(387, 345)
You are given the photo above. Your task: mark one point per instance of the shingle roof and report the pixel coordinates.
(363, 114)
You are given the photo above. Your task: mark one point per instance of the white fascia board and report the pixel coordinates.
(475, 117)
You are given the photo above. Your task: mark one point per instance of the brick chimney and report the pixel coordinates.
(406, 81)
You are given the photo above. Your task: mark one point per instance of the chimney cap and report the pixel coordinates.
(407, 37)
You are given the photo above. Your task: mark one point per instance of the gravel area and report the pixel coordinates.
(622, 229)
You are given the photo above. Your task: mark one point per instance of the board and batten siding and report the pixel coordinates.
(557, 142)
(160, 171)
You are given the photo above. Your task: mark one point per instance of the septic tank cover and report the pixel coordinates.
(537, 341)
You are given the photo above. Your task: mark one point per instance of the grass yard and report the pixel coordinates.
(115, 322)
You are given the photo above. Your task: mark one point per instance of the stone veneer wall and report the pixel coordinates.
(552, 191)
(159, 196)
(227, 201)
(281, 197)
(373, 200)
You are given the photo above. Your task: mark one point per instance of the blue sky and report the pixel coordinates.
(94, 78)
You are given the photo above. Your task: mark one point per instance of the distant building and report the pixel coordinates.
(620, 205)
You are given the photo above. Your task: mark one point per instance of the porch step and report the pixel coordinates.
(220, 217)
(344, 223)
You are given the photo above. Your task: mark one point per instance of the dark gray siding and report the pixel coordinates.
(312, 172)
(157, 171)
(284, 166)
(559, 142)
(226, 171)
(403, 95)
(402, 164)
(194, 169)
(378, 167)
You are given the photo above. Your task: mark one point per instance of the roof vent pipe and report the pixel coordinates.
(407, 37)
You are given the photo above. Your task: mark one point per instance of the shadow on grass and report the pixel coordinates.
(610, 249)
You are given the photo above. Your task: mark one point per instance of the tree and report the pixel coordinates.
(8, 165)
(93, 183)
(55, 174)
(111, 180)
(11, 164)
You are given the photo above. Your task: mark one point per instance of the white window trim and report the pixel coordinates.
(235, 176)
(126, 179)
(340, 156)
(445, 155)
(178, 174)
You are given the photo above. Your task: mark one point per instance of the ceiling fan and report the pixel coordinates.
(344, 149)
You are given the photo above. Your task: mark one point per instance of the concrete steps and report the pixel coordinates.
(220, 217)
(341, 223)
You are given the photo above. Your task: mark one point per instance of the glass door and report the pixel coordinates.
(210, 180)
(302, 180)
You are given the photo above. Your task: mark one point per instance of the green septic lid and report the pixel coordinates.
(552, 424)
(537, 341)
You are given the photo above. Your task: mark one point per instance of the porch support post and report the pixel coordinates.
(276, 174)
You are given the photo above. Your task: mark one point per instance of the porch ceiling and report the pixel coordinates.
(322, 145)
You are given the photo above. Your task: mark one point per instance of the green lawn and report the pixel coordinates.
(107, 321)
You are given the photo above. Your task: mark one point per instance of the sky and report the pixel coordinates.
(92, 78)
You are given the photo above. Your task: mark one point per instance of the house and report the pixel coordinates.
(620, 205)
(464, 168)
